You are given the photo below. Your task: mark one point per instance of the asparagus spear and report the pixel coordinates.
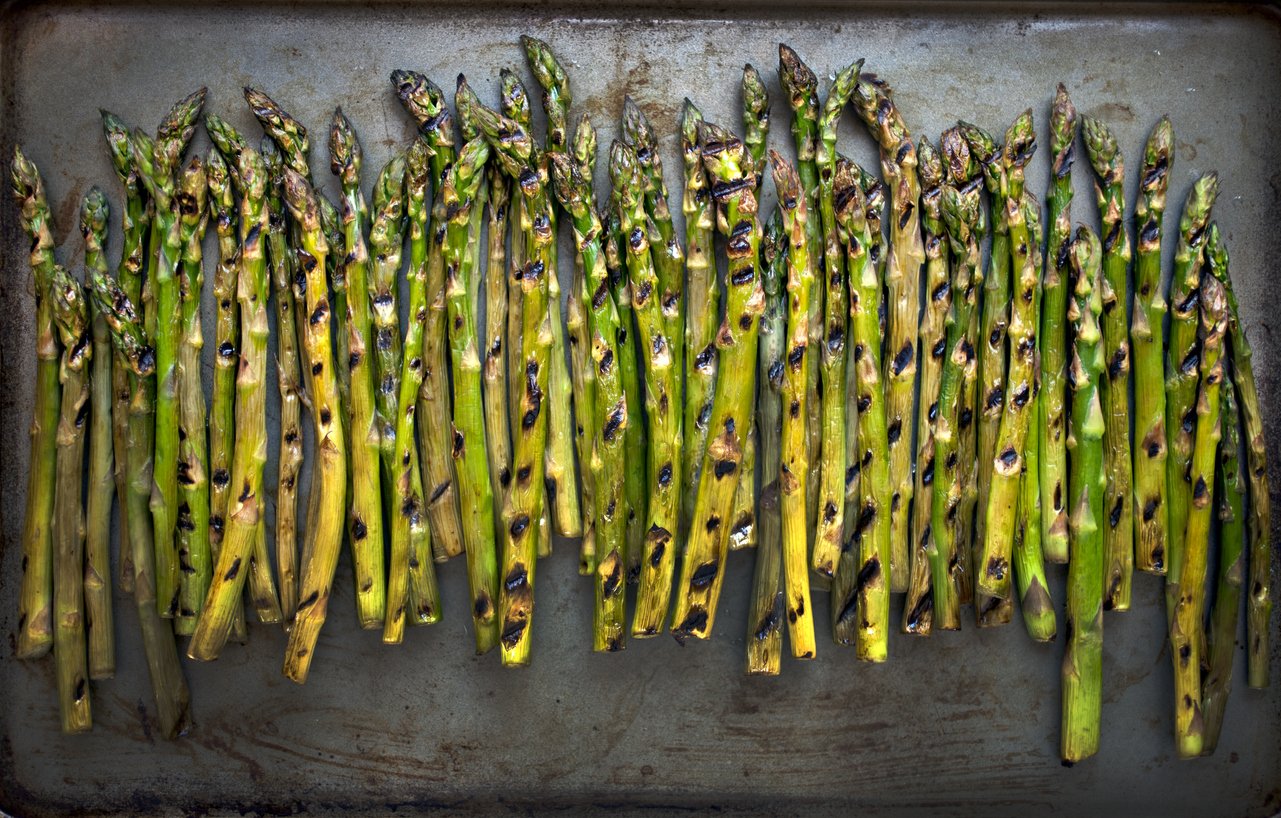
(1118, 537)
(97, 570)
(874, 102)
(192, 522)
(933, 343)
(1181, 373)
(71, 319)
(379, 601)
(423, 594)
(426, 104)
(832, 466)
(1259, 605)
(461, 186)
(995, 321)
(494, 364)
(702, 307)
(1146, 334)
(702, 571)
(320, 556)
(513, 150)
(800, 86)
(611, 419)
(133, 223)
(993, 589)
(1054, 392)
(562, 487)
(861, 591)
(742, 531)
(793, 471)
(386, 240)
(765, 610)
(1029, 558)
(133, 353)
(959, 207)
(1221, 632)
(1083, 660)
(289, 382)
(1188, 620)
(245, 512)
(584, 372)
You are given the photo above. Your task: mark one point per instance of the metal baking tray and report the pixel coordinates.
(957, 724)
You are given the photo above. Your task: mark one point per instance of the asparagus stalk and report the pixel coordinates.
(611, 420)
(993, 576)
(1105, 157)
(1221, 632)
(742, 531)
(1029, 558)
(222, 430)
(494, 364)
(71, 318)
(1181, 373)
(513, 150)
(1259, 598)
(245, 512)
(379, 600)
(793, 468)
(584, 372)
(800, 86)
(917, 616)
(289, 383)
(861, 591)
(702, 573)
(99, 616)
(461, 186)
(133, 223)
(320, 556)
(562, 486)
(514, 103)
(1054, 393)
(703, 305)
(193, 454)
(1083, 660)
(874, 102)
(959, 207)
(425, 102)
(831, 472)
(386, 241)
(138, 358)
(765, 610)
(1188, 621)
(1146, 334)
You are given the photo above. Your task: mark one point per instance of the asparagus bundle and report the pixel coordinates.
(289, 382)
(1187, 621)
(993, 575)
(1054, 392)
(1083, 659)
(320, 556)
(874, 102)
(192, 522)
(426, 104)
(702, 571)
(793, 470)
(71, 319)
(1118, 538)
(379, 600)
(828, 536)
(800, 85)
(99, 617)
(917, 617)
(1259, 597)
(765, 610)
(1181, 373)
(1147, 328)
(861, 588)
(960, 210)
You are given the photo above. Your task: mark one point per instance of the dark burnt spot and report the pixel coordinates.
(233, 570)
(226, 350)
(994, 399)
(894, 431)
(519, 526)
(864, 403)
(606, 362)
(325, 416)
(724, 468)
(704, 575)
(743, 276)
(1149, 510)
(516, 578)
(745, 321)
(513, 630)
(1200, 493)
(713, 523)
(868, 574)
(696, 620)
(1021, 396)
(358, 528)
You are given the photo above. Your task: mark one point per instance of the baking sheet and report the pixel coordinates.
(955, 724)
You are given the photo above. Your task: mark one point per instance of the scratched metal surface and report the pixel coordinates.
(952, 725)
